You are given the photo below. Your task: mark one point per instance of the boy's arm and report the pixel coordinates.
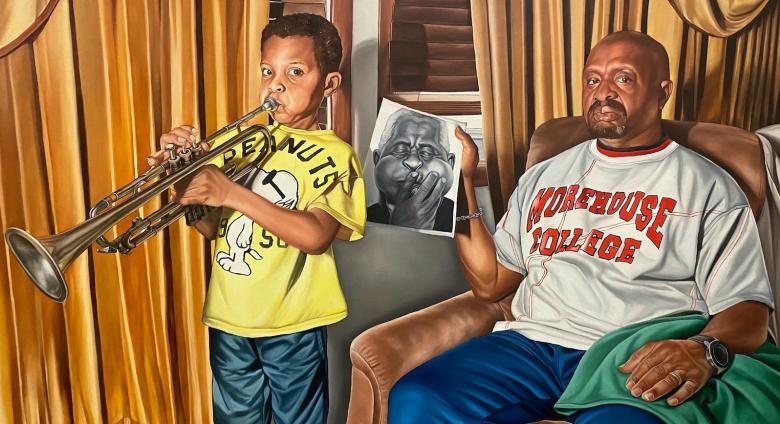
(310, 231)
(208, 224)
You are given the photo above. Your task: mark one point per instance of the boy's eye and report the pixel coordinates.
(266, 72)
(295, 72)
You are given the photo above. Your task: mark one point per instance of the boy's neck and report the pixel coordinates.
(307, 124)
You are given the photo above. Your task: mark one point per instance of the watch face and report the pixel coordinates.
(720, 354)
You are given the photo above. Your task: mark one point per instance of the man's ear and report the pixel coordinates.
(451, 160)
(665, 93)
(376, 156)
(332, 83)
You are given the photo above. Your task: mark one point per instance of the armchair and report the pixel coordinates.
(383, 354)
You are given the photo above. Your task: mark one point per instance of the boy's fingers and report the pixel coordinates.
(185, 133)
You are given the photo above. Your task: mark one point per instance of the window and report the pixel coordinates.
(426, 61)
(427, 55)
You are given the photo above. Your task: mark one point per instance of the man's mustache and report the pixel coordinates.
(613, 104)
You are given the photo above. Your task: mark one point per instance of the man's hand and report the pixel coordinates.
(417, 209)
(470, 157)
(659, 367)
(208, 187)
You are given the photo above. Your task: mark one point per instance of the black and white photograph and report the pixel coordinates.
(412, 170)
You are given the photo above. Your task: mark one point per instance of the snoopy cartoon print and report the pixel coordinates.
(278, 187)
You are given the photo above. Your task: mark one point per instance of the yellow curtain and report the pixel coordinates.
(20, 20)
(530, 55)
(719, 18)
(84, 100)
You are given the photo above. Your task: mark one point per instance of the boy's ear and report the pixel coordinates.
(332, 83)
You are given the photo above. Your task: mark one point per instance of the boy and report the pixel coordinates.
(273, 285)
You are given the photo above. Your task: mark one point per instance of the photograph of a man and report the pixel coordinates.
(414, 170)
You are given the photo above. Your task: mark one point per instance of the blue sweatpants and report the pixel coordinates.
(286, 376)
(502, 377)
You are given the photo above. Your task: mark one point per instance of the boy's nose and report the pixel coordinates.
(275, 85)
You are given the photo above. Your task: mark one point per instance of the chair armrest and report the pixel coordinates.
(383, 354)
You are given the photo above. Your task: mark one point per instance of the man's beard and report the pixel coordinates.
(609, 130)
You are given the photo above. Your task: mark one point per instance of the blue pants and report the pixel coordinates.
(254, 377)
(502, 377)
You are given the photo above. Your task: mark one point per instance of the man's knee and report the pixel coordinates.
(413, 398)
(615, 413)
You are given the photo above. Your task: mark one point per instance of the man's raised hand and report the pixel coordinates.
(470, 157)
(659, 367)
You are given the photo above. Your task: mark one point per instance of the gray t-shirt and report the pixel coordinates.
(606, 239)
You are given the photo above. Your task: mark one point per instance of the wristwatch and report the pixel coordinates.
(717, 353)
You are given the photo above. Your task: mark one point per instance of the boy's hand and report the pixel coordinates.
(208, 187)
(182, 136)
(470, 158)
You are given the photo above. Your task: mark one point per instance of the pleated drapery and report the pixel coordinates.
(719, 18)
(83, 101)
(530, 55)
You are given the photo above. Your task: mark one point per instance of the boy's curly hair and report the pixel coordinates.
(327, 42)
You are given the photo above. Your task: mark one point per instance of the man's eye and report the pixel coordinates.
(426, 154)
(295, 72)
(591, 82)
(400, 152)
(623, 79)
(266, 72)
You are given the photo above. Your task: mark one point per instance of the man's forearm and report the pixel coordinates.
(476, 249)
(742, 327)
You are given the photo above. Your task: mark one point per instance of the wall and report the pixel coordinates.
(390, 272)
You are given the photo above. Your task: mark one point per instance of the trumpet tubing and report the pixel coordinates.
(45, 259)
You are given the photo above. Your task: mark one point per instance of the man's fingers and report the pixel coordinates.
(672, 380)
(688, 389)
(405, 191)
(637, 357)
(428, 183)
(437, 192)
(463, 136)
(650, 378)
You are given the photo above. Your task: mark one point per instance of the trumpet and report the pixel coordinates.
(45, 259)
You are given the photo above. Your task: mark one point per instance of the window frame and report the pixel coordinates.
(435, 107)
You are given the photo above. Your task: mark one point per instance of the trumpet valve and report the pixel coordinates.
(171, 149)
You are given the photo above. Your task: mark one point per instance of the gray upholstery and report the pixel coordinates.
(387, 274)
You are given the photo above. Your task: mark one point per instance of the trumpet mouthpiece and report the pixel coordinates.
(270, 104)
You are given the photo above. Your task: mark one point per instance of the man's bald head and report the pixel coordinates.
(651, 50)
(625, 86)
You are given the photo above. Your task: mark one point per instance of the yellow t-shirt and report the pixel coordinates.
(260, 286)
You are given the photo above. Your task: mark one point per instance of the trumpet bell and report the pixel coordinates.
(35, 256)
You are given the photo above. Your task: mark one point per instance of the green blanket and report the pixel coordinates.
(749, 392)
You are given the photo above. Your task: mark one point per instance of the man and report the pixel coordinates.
(615, 231)
(413, 172)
